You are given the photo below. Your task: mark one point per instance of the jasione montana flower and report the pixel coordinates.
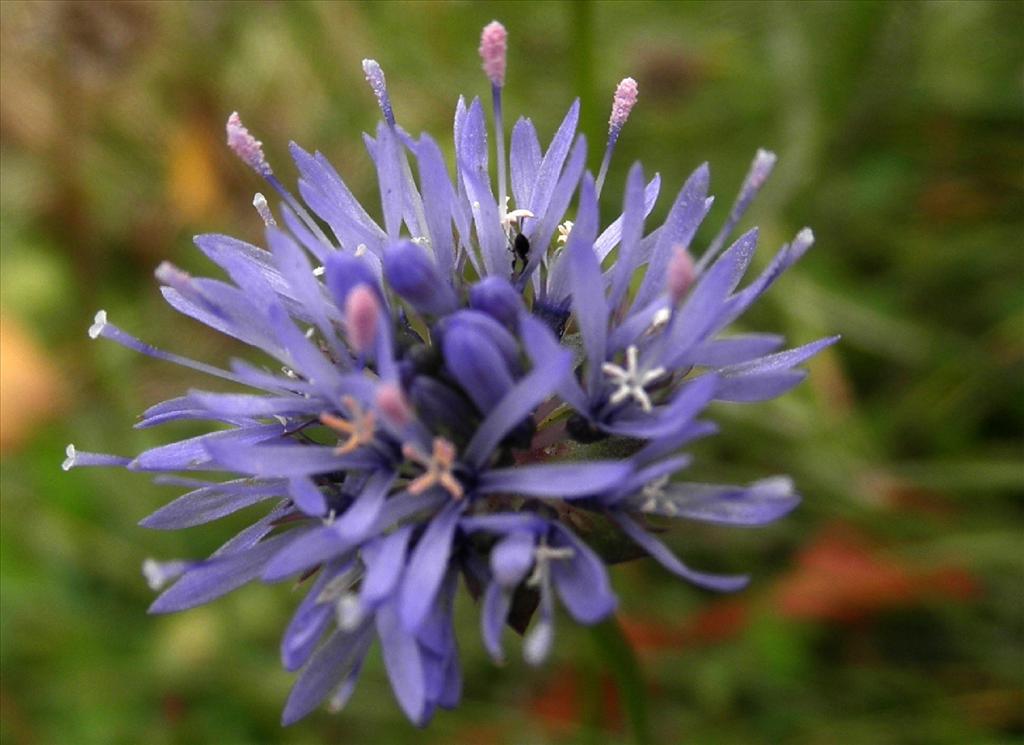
(445, 371)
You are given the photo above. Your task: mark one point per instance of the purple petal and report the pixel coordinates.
(780, 361)
(308, 624)
(359, 519)
(384, 564)
(234, 405)
(438, 199)
(644, 199)
(581, 581)
(551, 165)
(220, 575)
(634, 210)
(285, 461)
(732, 350)
(524, 158)
(307, 496)
(562, 480)
(661, 554)
(587, 287)
(403, 663)
(389, 176)
(759, 503)
(702, 313)
(759, 387)
(493, 614)
(317, 545)
(524, 396)
(210, 503)
(512, 558)
(194, 453)
(680, 226)
(339, 655)
(427, 566)
(688, 403)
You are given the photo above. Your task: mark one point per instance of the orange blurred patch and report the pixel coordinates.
(559, 706)
(193, 186)
(841, 577)
(30, 390)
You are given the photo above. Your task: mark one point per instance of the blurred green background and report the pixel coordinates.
(888, 609)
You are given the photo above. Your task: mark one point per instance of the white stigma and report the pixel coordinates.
(72, 456)
(159, 573)
(493, 51)
(260, 203)
(631, 381)
(761, 168)
(99, 322)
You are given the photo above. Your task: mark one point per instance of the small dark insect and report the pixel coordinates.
(521, 248)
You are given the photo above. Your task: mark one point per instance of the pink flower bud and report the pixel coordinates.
(493, 52)
(681, 274)
(361, 313)
(392, 405)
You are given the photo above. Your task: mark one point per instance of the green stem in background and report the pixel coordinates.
(613, 649)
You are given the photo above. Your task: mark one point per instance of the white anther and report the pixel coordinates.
(361, 249)
(319, 271)
(349, 611)
(563, 232)
(630, 380)
(658, 321)
(260, 203)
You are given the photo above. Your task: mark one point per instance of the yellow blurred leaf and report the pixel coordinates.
(193, 188)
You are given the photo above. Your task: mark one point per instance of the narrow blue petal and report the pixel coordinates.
(524, 159)
(194, 453)
(219, 576)
(551, 166)
(546, 375)
(780, 361)
(679, 229)
(329, 666)
(512, 558)
(634, 210)
(318, 545)
(438, 200)
(285, 461)
(307, 496)
(403, 663)
(209, 503)
(759, 503)
(732, 350)
(759, 386)
(683, 409)
(427, 566)
(581, 581)
(493, 614)
(661, 554)
(384, 564)
(561, 480)
(308, 623)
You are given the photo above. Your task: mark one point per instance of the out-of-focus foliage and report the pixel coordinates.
(886, 610)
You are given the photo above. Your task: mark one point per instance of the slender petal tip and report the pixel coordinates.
(622, 103)
(681, 273)
(99, 322)
(246, 147)
(159, 573)
(493, 51)
(362, 311)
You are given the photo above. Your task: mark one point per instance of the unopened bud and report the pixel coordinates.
(392, 405)
(362, 311)
(681, 274)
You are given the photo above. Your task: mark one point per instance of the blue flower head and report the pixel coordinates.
(443, 371)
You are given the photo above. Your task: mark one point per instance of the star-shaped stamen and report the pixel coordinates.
(360, 428)
(438, 467)
(630, 380)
